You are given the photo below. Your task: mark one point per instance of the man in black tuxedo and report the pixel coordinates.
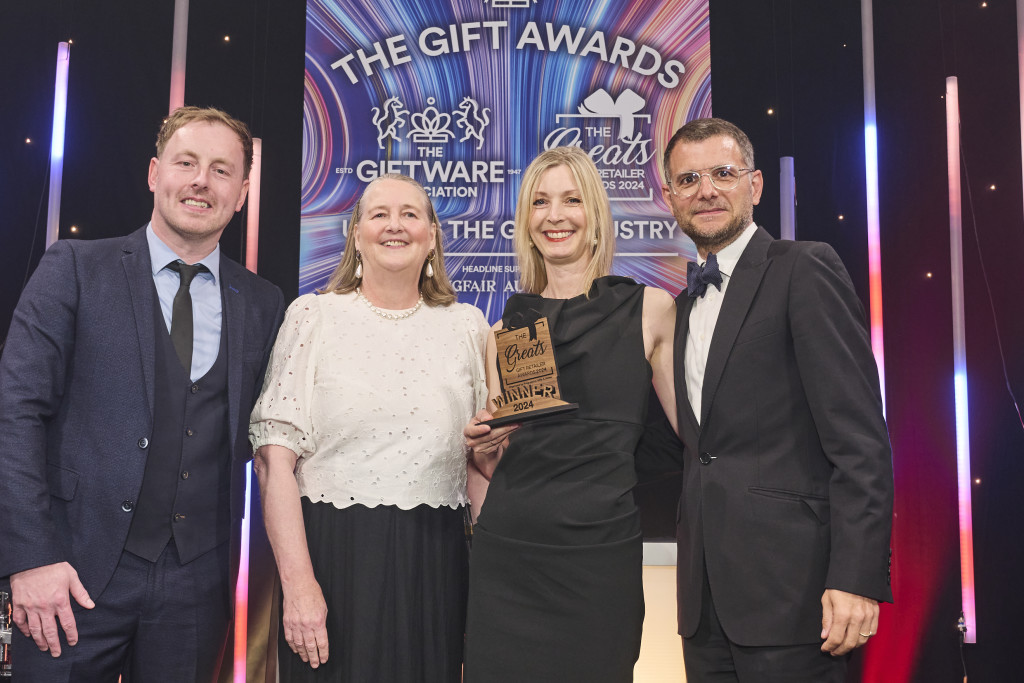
(785, 515)
(125, 389)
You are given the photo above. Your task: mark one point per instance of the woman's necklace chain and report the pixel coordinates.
(389, 315)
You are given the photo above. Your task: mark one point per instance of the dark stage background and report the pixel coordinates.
(801, 58)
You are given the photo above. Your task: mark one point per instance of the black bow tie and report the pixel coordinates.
(699, 277)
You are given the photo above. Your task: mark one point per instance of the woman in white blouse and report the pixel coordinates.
(360, 456)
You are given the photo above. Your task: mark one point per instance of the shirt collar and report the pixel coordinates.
(730, 255)
(160, 255)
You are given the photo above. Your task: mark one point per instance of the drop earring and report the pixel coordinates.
(430, 266)
(359, 266)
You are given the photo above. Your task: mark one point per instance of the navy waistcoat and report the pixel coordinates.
(187, 482)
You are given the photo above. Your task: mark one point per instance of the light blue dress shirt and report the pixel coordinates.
(206, 301)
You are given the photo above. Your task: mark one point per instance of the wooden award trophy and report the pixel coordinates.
(528, 375)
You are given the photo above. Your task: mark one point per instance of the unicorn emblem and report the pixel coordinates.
(388, 120)
(475, 127)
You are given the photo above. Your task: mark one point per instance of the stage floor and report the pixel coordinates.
(661, 652)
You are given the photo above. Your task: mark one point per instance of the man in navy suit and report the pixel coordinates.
(785, 515)
(126, 383)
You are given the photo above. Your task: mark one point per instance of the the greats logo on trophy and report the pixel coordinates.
(527, 372)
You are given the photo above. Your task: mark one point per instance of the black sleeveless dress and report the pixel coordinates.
(555, 588)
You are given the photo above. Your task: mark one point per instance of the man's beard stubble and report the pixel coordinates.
(714, 243)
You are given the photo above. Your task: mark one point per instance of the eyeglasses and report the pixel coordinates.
(721, 177)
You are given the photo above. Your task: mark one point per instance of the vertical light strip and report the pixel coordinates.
(963, 442)
(252, 221)
(252, 236)
(787, 198)
(242, 588)
(1020, 75)
(871, 185)
(60, 110)
(179, 45)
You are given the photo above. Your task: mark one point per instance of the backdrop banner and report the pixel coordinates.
(463, 94)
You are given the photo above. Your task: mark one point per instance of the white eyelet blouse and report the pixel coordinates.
(374, 408)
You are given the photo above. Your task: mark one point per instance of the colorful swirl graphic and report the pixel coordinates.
(480, 85)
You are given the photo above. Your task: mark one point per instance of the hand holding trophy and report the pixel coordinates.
(527, 372)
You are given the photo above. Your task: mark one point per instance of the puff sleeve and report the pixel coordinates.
(282, 413)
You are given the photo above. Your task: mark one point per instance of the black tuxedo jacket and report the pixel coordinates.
(76, 400)
(787, 477)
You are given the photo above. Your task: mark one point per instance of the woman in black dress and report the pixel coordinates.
(555, 580)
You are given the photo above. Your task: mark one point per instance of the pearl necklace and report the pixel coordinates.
(388, 315)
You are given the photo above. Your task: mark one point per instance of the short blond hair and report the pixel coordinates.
(600, 225)
(182, 116)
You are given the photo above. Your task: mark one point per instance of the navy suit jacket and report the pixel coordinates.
(787, 478)
(76, 400)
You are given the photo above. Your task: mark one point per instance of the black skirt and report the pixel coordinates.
(554, 614)
(395, 584)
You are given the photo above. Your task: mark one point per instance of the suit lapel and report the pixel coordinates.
(684, 412)
(139, 272)
(743, 285)
(234, 298)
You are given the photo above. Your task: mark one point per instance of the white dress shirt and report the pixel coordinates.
(704, 317)
(206, 302)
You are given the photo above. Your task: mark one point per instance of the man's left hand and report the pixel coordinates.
(847, 621)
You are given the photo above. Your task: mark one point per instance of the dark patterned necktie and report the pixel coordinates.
(181, 312)
(699, 277)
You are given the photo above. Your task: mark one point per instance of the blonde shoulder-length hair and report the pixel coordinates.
(533, 276)
(436, 290)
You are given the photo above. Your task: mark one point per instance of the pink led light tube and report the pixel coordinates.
(871, 185)
(963, 441)
(60, 110)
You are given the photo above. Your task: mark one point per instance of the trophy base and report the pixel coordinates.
(530, 415)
